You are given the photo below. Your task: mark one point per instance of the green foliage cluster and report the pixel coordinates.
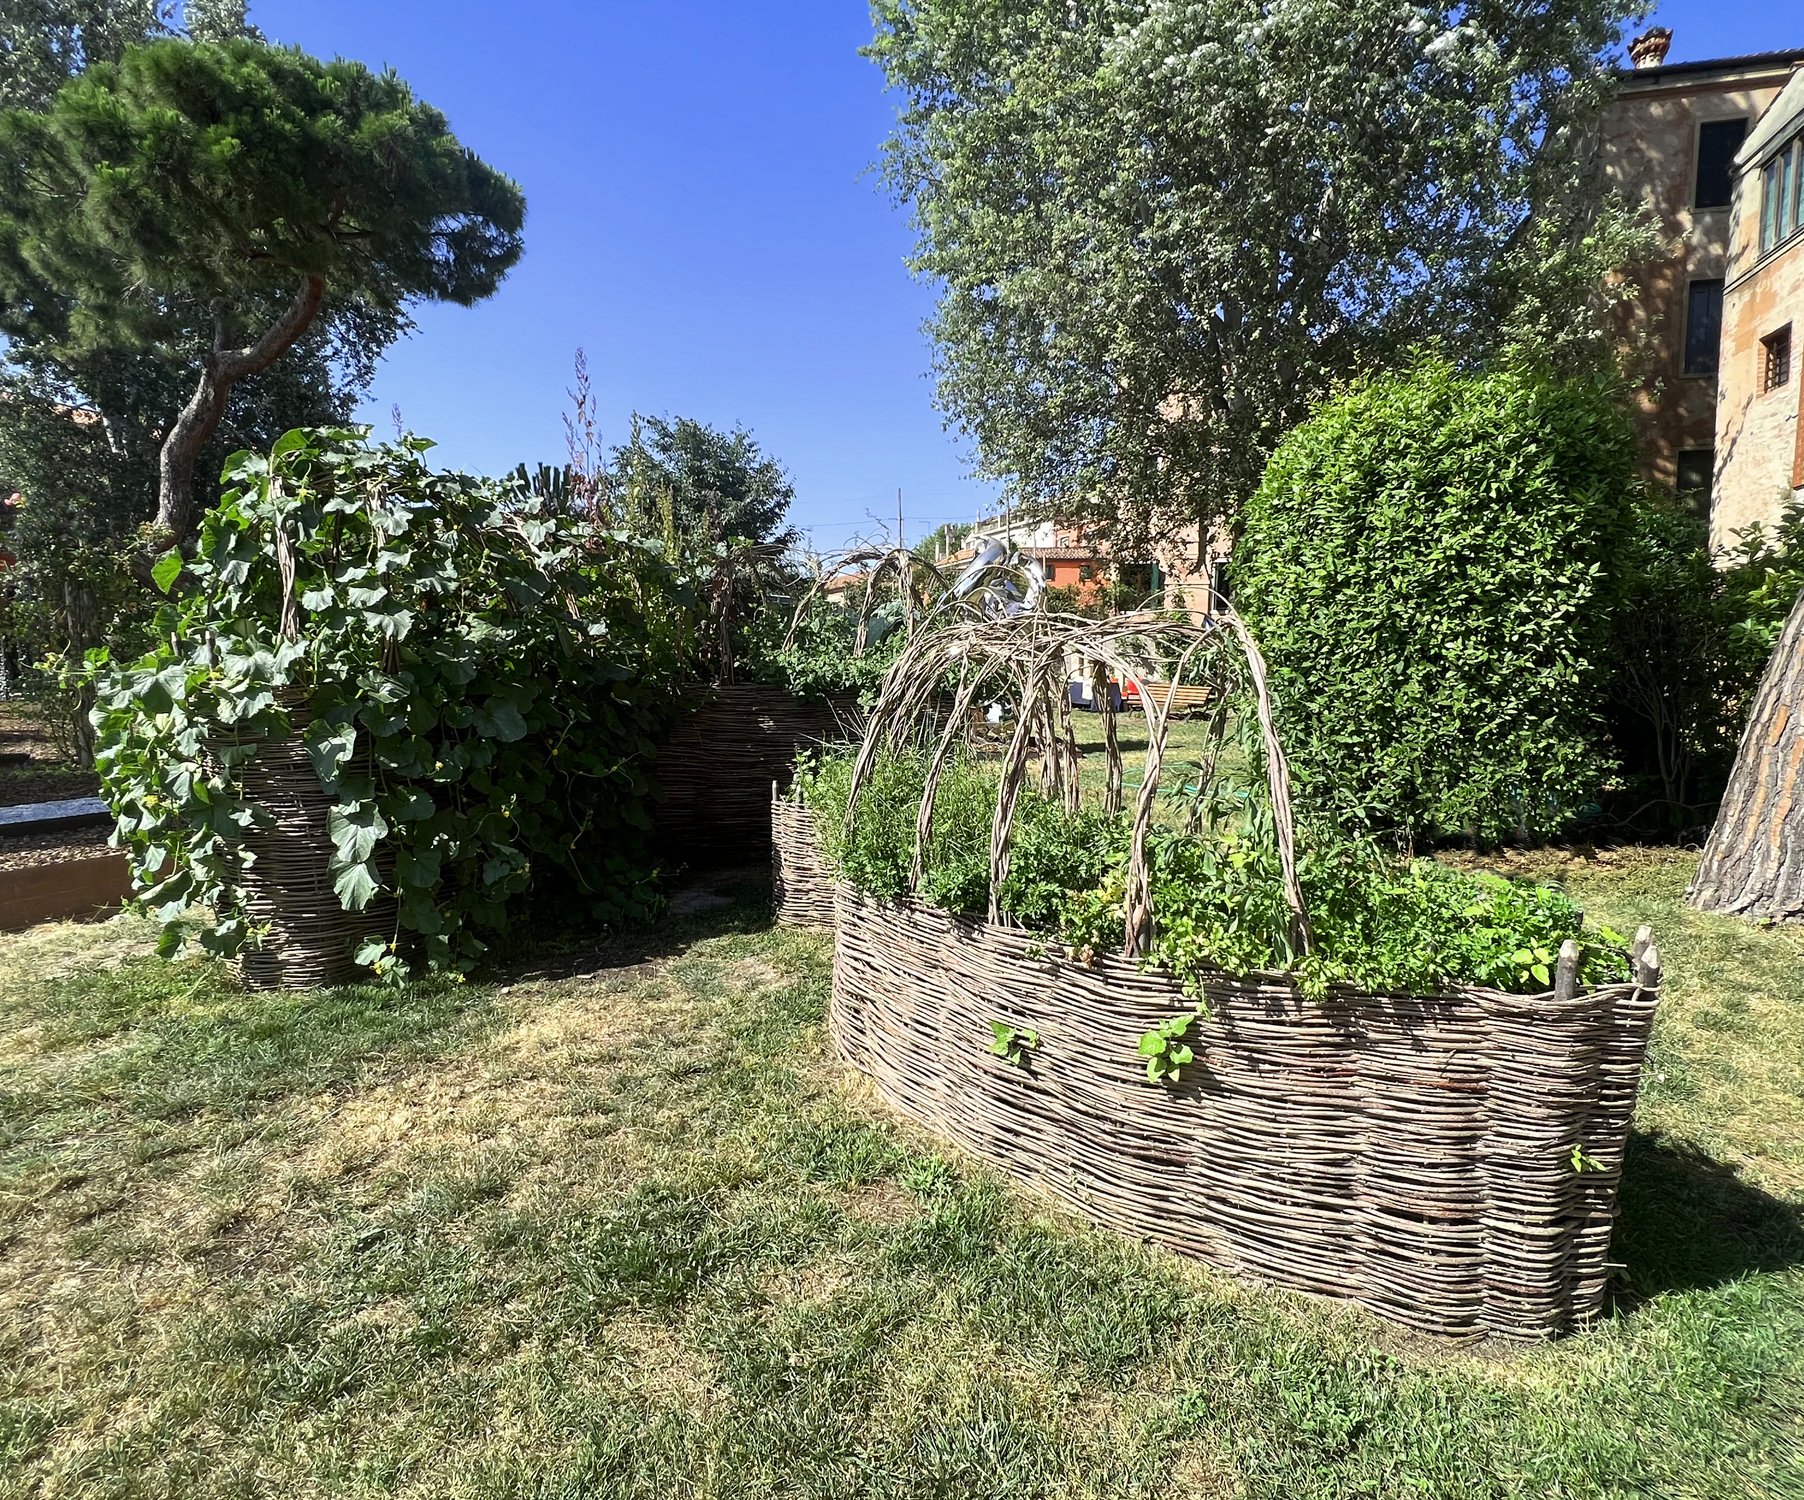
(1240, 203)
(1380, 923)
(819, 659)
(1013, 1043)
(191, 180)
(1431, 566)
(480, 687)
(1688, 641)
(1764, 574)
(715, 485)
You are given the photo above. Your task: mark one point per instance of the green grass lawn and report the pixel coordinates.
(622, 1228)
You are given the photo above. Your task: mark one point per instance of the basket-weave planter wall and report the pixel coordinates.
(714, 774)
(1450, 1162)
(311, 938)
(801, 883)
(1414, 1156)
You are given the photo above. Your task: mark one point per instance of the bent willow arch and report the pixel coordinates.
(1029, 660)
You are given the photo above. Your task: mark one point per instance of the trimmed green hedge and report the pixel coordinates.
(1429, 565)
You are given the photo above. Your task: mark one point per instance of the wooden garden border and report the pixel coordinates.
(802, 887)
(714, 773)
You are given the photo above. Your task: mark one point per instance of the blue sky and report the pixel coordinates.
(702, 219)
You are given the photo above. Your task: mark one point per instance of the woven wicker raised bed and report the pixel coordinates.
(309, 938)
(801, 884)
(1450, 1162)
(715, 772)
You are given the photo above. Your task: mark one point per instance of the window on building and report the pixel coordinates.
(1718, 141)
(1782, 196)
(1219, 596)
(1775, 359)
(1697, 472)
(1703, 327)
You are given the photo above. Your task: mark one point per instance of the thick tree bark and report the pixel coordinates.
(221, 368)
(1753, 864)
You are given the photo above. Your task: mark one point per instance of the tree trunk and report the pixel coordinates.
(181, 450)
(222, 367)
(1753, 863)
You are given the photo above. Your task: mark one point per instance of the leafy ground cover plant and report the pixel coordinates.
(479, 685)
(1380, 923)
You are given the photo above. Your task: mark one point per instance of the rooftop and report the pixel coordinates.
(1670, 73)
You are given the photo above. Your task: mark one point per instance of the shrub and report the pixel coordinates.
(1763, 574)
(1681, 674)
(484, 684)
(1428, 565)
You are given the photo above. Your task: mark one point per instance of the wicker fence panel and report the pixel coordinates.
(801, 884)
(714, 774)
(1414, 1156)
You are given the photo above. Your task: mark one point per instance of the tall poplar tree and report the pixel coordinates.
(1163, 229)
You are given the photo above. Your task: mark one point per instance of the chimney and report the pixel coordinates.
(1649, 49)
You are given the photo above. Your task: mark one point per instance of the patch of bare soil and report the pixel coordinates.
(31, 767)
(1557, 861)
(20, 851)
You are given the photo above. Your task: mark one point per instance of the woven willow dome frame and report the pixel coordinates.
(1448, 1161)
(1034, 654)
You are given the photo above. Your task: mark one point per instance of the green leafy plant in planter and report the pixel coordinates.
(480, 687)
(1381, 923)
(1167, 1049)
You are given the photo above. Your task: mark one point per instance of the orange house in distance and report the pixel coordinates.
(1168, 579)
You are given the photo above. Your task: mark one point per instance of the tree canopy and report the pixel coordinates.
(44, 43)
(231, 187)
(96, 478)
(719, 486)
(1163, 230)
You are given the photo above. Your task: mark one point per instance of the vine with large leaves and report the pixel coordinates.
(481, 687)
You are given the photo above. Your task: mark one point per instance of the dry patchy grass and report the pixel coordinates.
(629, 1231)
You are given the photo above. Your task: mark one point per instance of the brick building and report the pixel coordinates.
(1686, 139)
(1760, 398)
(1670, 141)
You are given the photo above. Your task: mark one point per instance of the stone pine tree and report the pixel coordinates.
(89, 484)
(233, 187)
(1753, 864)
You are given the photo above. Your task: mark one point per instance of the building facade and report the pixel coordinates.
(1670, 142)
(1760, 397)
(1168, 577)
